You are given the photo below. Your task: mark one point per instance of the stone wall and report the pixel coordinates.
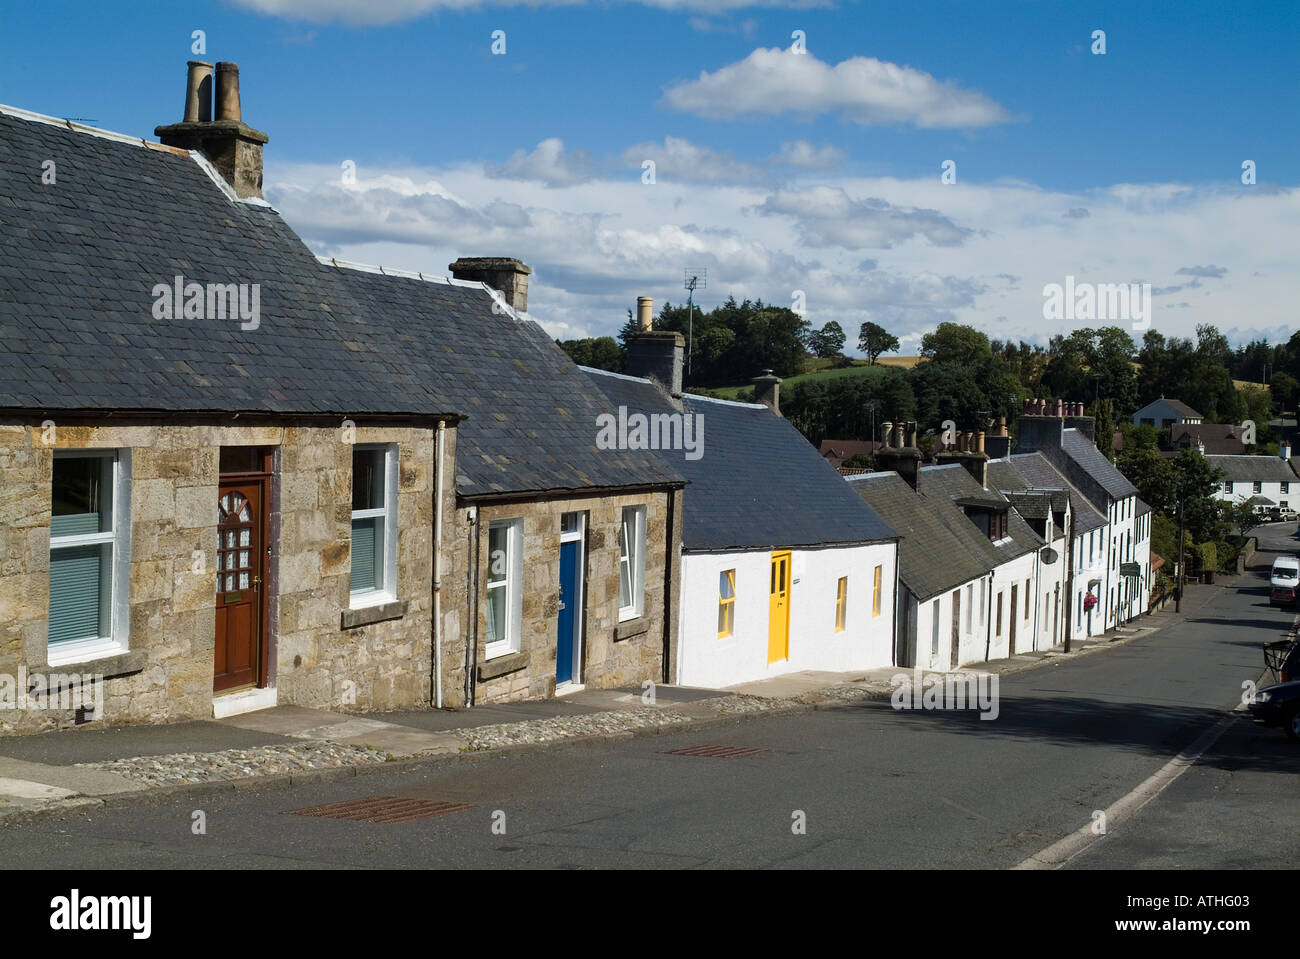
(315, 658)
(613, 653)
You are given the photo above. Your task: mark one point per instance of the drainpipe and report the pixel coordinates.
(988, 622)
(437, 568)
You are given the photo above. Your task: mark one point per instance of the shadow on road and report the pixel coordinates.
(1158, 729)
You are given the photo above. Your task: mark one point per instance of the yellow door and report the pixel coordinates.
(778, 619)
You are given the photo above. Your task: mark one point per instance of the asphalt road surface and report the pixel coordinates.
(874, 787)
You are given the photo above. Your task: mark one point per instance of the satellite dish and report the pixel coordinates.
(1049, 555)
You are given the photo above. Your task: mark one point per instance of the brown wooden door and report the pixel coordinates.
(240, 566)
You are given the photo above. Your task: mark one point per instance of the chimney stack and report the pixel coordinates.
(767, 390)
(903, 458)
(230, 145)
(655, 354)
(503, 273)
(1284, 450)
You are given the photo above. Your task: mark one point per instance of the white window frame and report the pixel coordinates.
(360, 599)
(119, 598)
(634, 558)
(512, 584)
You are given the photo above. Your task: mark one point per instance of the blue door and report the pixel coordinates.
(566, 639)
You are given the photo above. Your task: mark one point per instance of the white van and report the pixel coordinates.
(1284, 581)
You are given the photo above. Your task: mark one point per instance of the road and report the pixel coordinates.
(875, 787)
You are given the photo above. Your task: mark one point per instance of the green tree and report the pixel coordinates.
(955, 343)
(1285, 390)
(1152, 474)
(828, 342)
(1242, 517)
(1104, 411)
(1195, 483)
(874, 339)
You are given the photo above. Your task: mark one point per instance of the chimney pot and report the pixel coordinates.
(888, 435)
(979, 442)
(198, 92)
(645, 313)
(228, 107)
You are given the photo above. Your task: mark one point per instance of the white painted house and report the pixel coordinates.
(1067, 444)
(943, 586)
(783, 567)
(1266, 481)
(1163, 413)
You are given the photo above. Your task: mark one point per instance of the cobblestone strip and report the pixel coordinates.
(184, 768)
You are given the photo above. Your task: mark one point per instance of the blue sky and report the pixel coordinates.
(779, 172)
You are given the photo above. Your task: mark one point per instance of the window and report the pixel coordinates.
(726, 602)
(841, 600)
(631, 563)
(89, 555)
(504, 596)
(374, 525)
(934, 629)
(970, 595)
(875, 593)
(999, 630)
(1227, 486)
(1257, 487)
(983, 584)
(1026, 616)
(997, 525)
(1286, 488)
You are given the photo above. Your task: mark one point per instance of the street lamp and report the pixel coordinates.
(1178, 568)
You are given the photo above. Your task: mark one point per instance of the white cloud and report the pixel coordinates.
(827, 216)
(863, 89)
(802, 154)
(686, 162)
(548, 163)
(904, 253)
(1210, 272)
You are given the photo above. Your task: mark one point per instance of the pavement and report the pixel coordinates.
(50, 773)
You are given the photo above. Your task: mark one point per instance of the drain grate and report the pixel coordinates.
(715, 751)
(383, 809)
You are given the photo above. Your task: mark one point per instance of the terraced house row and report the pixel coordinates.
(235, 475)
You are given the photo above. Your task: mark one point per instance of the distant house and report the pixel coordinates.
(1163, 413)
(783, 568)
(836, 452)
(1219, 439)
(1266, 481)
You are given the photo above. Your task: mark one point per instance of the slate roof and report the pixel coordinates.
(532, 423)
(1217, 438)
(1178, 406)
(79, 260)
(758, 485)
(1080, 449)
(78, 263)
(932, 558)
(1039, 472)
(1037, 500)
(1254, 469)
(952, 482)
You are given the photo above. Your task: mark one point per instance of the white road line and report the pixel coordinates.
(1059, 853)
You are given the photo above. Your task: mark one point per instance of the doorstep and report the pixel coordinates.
(246, 701)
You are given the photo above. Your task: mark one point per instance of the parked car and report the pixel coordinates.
(1284, 581)
(1278, 706)
(1288, 515)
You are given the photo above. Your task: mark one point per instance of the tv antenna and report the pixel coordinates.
(695, 279)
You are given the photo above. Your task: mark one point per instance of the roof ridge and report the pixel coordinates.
(426, 277)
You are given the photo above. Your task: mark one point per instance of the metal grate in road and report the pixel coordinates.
(383, 809)
(716, 751)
